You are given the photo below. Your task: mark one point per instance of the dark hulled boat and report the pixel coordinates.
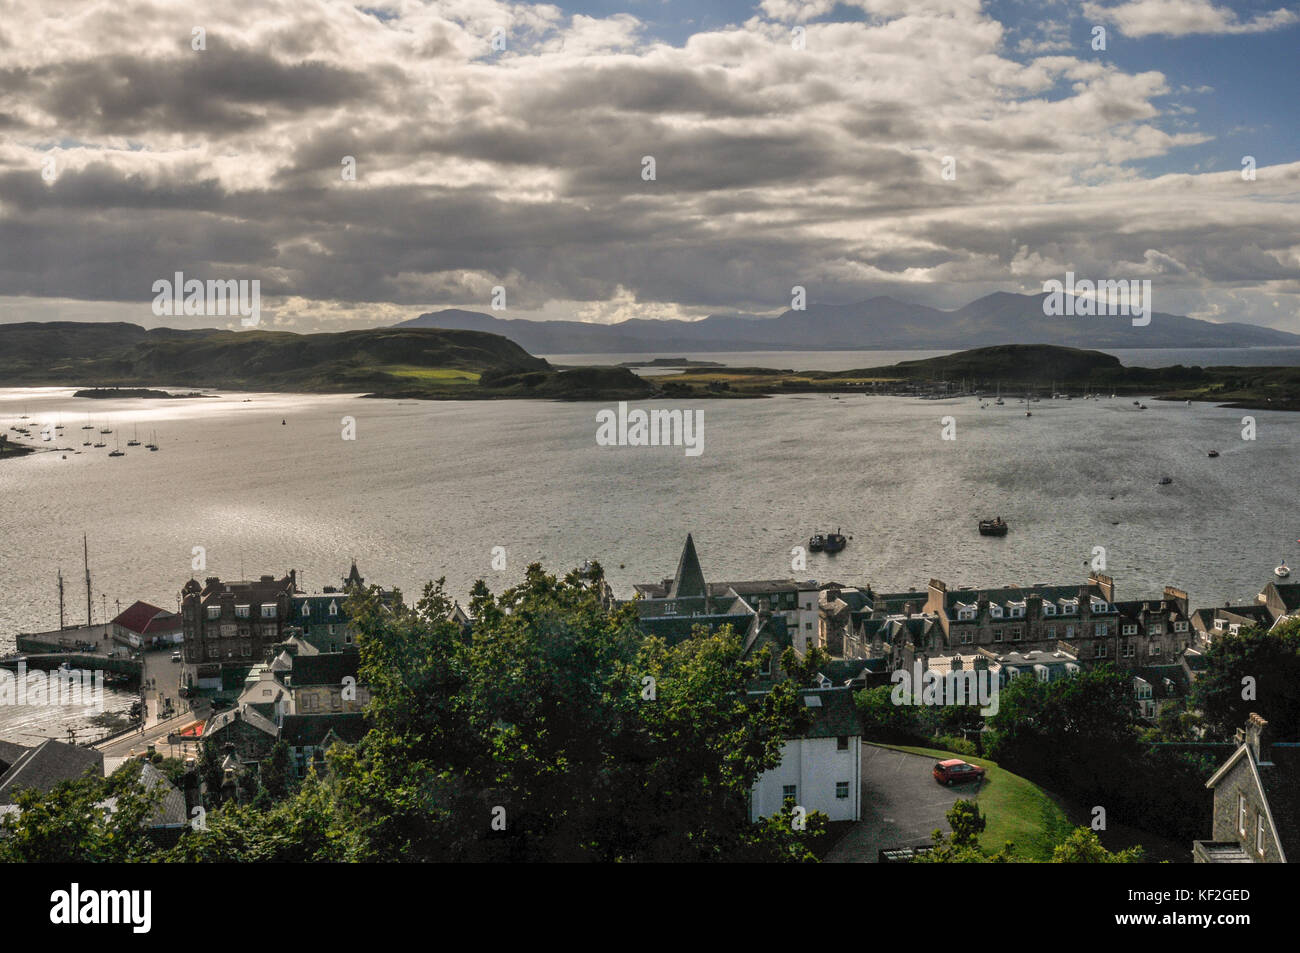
(994, 527)
(835, 542)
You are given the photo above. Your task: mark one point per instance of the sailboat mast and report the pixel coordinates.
(86, 550)
(60, 598)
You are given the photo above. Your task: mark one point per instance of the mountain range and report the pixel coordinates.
(877, 323)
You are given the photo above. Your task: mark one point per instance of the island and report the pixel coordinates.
(412, 363)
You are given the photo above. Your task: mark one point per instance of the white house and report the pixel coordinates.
(821, 769)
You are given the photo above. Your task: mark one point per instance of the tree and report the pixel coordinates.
(1253, 671)
(1083, 846)
(962, 847)
(277, 772)
(72, 822)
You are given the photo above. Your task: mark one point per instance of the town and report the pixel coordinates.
(248, 688)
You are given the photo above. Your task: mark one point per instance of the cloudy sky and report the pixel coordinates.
(795, 142)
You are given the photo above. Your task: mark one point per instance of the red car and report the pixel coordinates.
(955, 771)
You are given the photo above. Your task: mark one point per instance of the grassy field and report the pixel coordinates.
(439, 375)
(1017, 810)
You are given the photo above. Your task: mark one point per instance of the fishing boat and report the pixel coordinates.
(1165, 481)
(1029, 413)
(134, 441)
(993, 527)
(1282, 571)
(835, 542)
(816, 543)
(1213, 453)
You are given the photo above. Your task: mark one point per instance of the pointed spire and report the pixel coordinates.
(689, 581)
(353, 578)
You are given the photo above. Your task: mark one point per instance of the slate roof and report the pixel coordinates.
(170, 811)
(300, 731)
(1288, 594)
(44, 766)
(9, 753)
(1281, 778)
(689, 580)
(239, 713)
(1155, 676)
(327, 668)
(834, 713)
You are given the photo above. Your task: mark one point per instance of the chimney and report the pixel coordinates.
(1258, 737)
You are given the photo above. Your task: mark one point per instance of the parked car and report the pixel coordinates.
(955, 771)
(176, 656)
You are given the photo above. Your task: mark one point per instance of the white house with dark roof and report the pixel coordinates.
(821, 768)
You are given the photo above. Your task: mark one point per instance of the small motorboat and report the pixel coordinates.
(1137, 403)
(1165, 481)
(1282, 571)
(993, 527)
(1213, 453)
(835, 542)
(1029, 413)
(816, 543)
(284, 423)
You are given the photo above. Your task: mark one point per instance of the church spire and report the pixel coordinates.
(353, 578)
(689, 581)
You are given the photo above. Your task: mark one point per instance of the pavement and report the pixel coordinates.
(902, 805)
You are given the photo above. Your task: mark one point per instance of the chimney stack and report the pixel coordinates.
(1258, 736)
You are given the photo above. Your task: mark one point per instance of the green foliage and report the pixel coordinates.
(962, 847)
(1083, 846)
(72, 824)
(1272, 660)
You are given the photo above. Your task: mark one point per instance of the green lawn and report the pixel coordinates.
(1016, 809)
(441, 375)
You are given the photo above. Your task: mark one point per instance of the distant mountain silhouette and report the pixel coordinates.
(882, 322)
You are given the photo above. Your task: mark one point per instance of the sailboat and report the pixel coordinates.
(154, 445)
(88, 425)
(119, 452)
(135, 441)
(999, 401)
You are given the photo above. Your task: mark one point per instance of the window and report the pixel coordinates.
(997, 635)
(212, 650)
(214, 612)
(790, 792)
(1101, 630)
(1015, 636)
(306, 608)
(808, 626)
(1241, 814)
(841, 789)
(842, 743)
(1128, 650)
(1050, 632)
(1100, 651)
(245, 650)
(1069, 631)
(1180, 626)
(241, 612)
(1129, 629)
(268, 610)
(966, 637)
(1156, 628)
(1259, 834)
(1218, 624)
(1049, 609)
(1155, 648)
(334, 608)
(995, 611)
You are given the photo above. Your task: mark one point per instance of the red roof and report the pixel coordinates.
(137, 617)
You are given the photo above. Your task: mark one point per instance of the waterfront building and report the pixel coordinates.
(146, 626)
(233, 624)
(672, 607)
(1209, 624)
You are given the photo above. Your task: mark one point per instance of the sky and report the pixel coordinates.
(932, 150)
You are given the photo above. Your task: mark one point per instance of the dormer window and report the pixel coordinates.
(268, 610)
(995, 611)
(1069, 608)
(214, 612)
(242, 612)
(334, 608)
(1218, 624)
(1049, 609)
(306, 608)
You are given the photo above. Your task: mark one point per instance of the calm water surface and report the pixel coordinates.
(427, 489)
